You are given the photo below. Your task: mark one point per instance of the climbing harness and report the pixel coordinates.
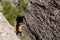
(20, 28)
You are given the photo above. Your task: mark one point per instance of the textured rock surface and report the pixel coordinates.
(14, 2)
(43, 20)
(6, 30)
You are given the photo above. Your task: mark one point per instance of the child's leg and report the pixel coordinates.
(20, 33)
(17, 30)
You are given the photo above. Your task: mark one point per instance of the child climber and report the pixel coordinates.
(19, 24)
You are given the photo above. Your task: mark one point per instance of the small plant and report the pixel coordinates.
(22, 4)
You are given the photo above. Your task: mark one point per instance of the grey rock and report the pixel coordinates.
(43, 20)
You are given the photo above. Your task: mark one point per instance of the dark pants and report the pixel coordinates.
(17, 31)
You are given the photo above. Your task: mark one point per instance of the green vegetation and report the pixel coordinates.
(11, 12)
(22, 4)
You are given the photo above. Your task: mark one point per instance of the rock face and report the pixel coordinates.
(6, 30)
(43, 20)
